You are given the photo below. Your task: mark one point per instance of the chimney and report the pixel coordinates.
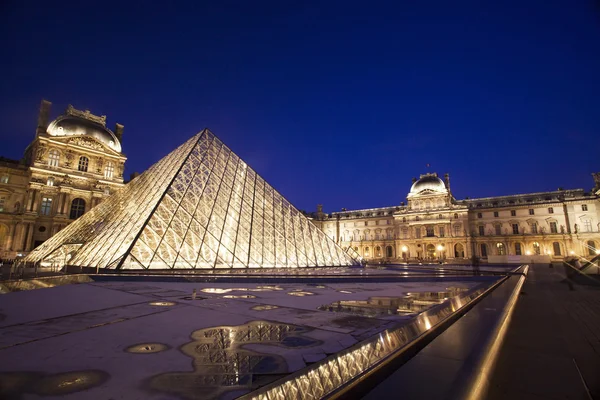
(43, 116)
(447, 180)
(119, 131)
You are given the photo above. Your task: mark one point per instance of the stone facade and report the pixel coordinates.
(434, 226)
(72, 164)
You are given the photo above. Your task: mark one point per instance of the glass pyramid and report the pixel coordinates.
(200, 207)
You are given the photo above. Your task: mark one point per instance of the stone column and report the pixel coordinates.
(30, 199)
(29, 243)
(10, 238)
(37, 201)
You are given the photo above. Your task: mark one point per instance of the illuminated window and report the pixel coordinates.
(50, 181)
(4, 179)
(109, 170)
(367, 252)
(584, 207)
(553, 228)
(2, 203)
(501, 249)
(536, 248)
(515, 228)
(481, 230)
(46, 206)
(106, 190)
(513, 213)
(498, 229)
(531, 211)
(53, 158)
(556, 247)
(77, 208)
(591, 245)
(496, 214)
(518, 250)
(550, 210)
(587, 225)
(83, 164)
(378, 251)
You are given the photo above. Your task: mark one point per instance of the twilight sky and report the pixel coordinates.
(333, 102)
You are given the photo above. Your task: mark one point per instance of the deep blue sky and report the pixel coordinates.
(339, 103)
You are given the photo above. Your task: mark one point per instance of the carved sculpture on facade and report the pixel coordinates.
(69, 155)
(41, 152)
(121, 169)
(99, 164)
(86, 142)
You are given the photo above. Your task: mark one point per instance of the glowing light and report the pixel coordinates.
(404, 249)
(440, 247)
(528, 253)
(572, 252)
(162, 303)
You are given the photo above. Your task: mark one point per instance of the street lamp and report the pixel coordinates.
(440, 248)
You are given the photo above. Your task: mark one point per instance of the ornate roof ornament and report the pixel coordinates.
(86, 115)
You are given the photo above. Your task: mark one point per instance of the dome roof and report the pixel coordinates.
(428, 182)
(71, 125)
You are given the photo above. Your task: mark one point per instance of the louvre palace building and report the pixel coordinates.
(72, 164)
(433, 226)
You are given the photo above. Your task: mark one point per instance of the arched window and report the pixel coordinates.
(17, 206)
(378, 251)
(417, 218)
(501, 249)
(53, 158)
(455, 216)
(536, 248)
(483, 248)
(367, 252)
(77, 208)
(556, 247)
(83, 164)
(591, 245)
(403, 219)
(109, 170)
(50, 181)
(356, 249)
(459, 251)
(389, 252)
(440, 216)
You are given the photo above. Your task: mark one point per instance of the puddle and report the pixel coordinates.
(147, 348)
(264, 307)
(14, 384)
(239, 296)
(227, 290)
(221, 364)
(300, 293)
(162, 303)
(412, 303)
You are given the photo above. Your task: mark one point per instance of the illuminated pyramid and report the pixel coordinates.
(200, 207)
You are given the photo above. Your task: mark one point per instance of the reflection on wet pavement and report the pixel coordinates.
(15, 384)
(222, 364)
(162, 303)
(227, 290)
(414, 302)
(147, 348)
(300, 293)
(239, 296)
(264, 307)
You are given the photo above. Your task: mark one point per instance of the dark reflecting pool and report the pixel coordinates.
(411, 303)
(221, 363)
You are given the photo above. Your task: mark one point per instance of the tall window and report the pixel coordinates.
(584, 207)
(518, 250)
(481, 230)
(483, 250)
(459, 251)
(418, 232)
(501, 249)
(378, 251)
(513, 213)
(83, 164)
(389, 252)
(534, 229)
(550, 210)
(553, 228)
(367, 253)
(536, 248)
(591, 245)
(109, 170)
(442, 231)
(455, 216)
(498, 229)
(53, 158)
(479, 215)
(515, 228)
(77, 208)
(430, 231)
(50, 181)
(531, 211)
(456, 230)
(587, 225)
(46, 206)
(496, 214)
(4, 179)
(556, 247)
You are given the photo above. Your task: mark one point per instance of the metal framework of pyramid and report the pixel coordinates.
(200, 207)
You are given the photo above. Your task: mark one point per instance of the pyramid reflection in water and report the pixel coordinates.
(200, 207)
